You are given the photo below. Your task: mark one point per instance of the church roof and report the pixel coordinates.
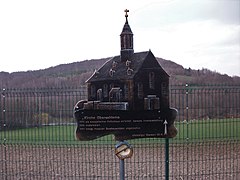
(115, 69)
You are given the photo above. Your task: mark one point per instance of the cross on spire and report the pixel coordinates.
(126, 12)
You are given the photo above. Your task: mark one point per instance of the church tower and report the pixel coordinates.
(126, 41)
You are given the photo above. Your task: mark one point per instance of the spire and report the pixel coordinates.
(126, 40)
(126, 27)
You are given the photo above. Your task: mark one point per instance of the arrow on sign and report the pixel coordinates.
(165, 125)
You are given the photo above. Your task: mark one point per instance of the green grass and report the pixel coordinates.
(192, 131)
(52, 135)
(208, 130)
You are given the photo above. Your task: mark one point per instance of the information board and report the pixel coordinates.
(124, 125)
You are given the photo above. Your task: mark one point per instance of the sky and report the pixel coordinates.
(37, 34)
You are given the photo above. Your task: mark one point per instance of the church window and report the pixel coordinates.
(122, 42)
(128, 63)
(105, 90)
(131, 42)
(126, 91)
(99, 95)
(164, 89)
(114, 64)
(115, 95)
(93, 91)
(128, 42)
(151, 80)
(111, 86)
(140, 90)
(111, 72)
(129, 71)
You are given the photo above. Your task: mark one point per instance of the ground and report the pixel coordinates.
(211, 160)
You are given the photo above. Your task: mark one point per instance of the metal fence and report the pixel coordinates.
(37, 133)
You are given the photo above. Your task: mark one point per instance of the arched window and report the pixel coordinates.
(99, 95)
(126, 91)
(131, 42)
(128, 41)
(111, 86)
(140, 90)
(129, 71)
(111, 72)
(151, 80)
(115, 95)
(93, 91)
(164, 89)
(105, 90)
(128, 63)
(122, 42)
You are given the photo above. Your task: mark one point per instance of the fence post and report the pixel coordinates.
(4, 130)
(187, 119)
(167, 158)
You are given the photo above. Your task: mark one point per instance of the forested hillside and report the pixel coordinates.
(76, 73)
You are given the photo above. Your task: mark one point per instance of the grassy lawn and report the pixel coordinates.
(208, 130)
(192, 131)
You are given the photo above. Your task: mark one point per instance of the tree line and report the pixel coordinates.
(75, 74)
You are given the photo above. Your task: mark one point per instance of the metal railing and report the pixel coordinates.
(37, 133)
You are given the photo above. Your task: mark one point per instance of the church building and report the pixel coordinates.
(130, 81)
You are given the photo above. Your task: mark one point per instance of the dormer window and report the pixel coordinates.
(129, 71)
(151, 78)
(114, 64)
(128, 63)
(111, 72)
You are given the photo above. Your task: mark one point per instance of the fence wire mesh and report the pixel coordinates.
(37, 133)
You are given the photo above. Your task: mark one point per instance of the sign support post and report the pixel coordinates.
(123, 150)
(167, 158)
(122, 169)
